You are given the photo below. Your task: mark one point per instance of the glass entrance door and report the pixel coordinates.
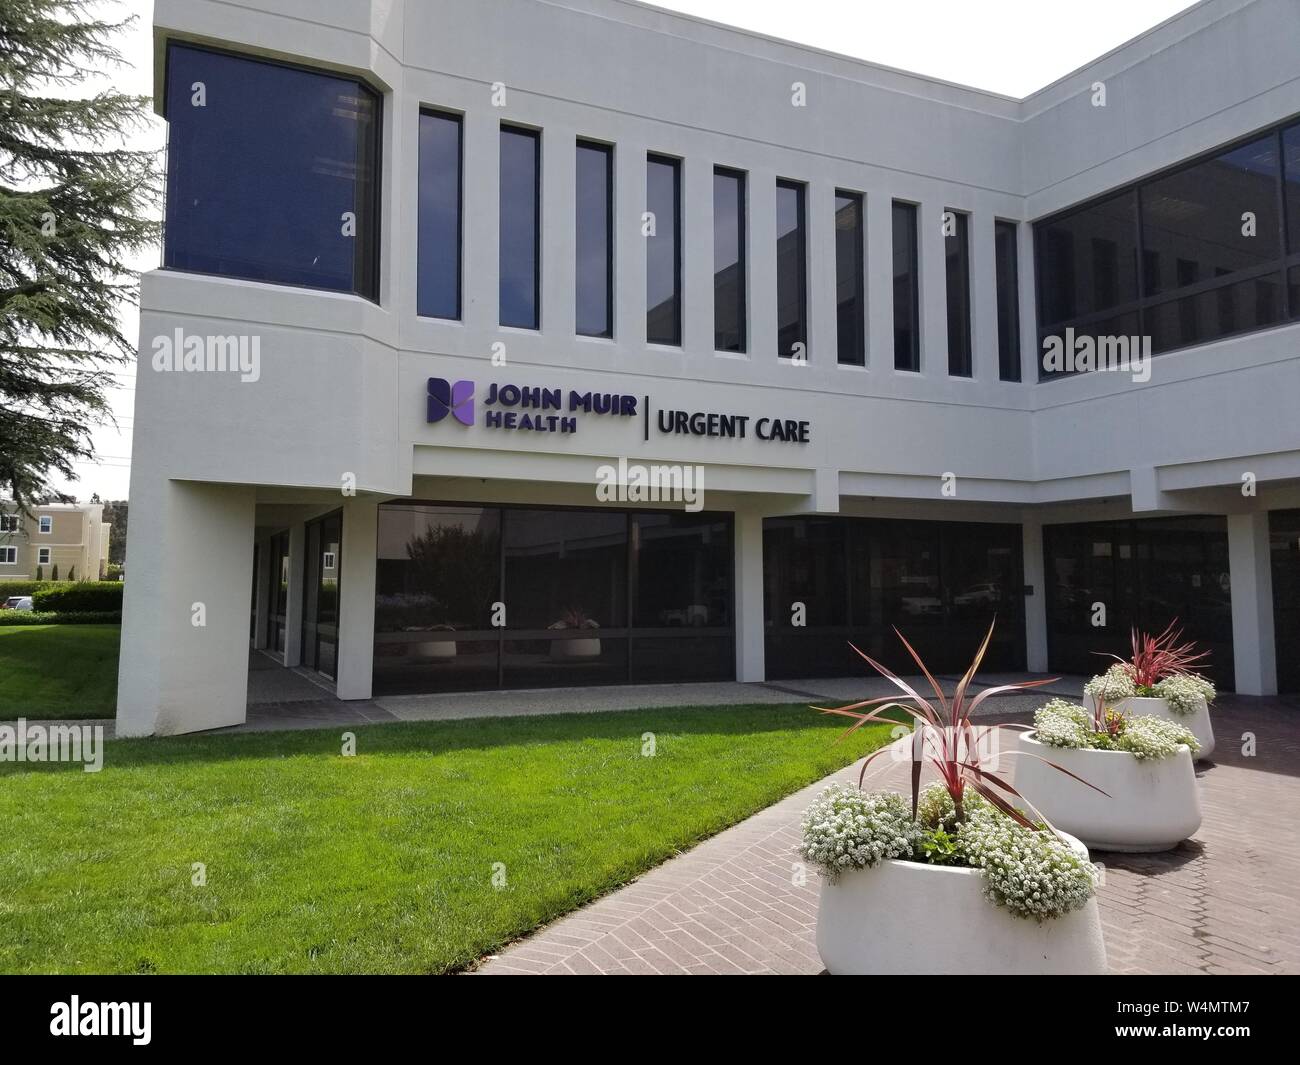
(320, 615)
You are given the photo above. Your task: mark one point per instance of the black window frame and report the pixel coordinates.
(607, 149)
(910, 361)
(1007, 297)
(376, 193)
(857, 354)
(459, 118)
(800, 188)
(1143, 305)
(957, 296)
(675, 164)
(536, 134)
(741, 179)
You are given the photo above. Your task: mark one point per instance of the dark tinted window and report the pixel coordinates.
(791, 271)
(907, 306)
(663, 323)
(1193, 220)
(1291, 172)
(728, 260)
(438, 271)
(1006, 255)
(520, 236)
(271, 172)
(595, 240)
(1088, 260)
(850, 320)
(957, 272)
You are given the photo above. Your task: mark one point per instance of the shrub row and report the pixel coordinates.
(12, 618)
(78, 597)
(9, 588)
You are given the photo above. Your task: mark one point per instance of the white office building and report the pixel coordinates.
(448, 283)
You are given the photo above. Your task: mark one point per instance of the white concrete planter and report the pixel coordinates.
(1198, 721)
(1149, 805)
(435, 649)
(588, 648)
(913, 919)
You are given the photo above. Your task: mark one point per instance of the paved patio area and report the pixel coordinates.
(1223, 902)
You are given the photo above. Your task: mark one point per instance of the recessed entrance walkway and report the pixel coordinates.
(1223, 902)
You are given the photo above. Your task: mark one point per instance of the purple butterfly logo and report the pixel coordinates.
(456, 399)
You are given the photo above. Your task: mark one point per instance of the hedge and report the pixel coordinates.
(12, 618)
(78, 597)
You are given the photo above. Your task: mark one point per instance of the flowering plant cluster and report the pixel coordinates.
(1029, 871)
(1184, 692)
(1064, 724)
(1113, 685)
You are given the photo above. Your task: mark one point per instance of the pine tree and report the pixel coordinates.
(74, 205)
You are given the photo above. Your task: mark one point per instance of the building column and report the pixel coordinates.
(184, 658)
(1035, 571)
(293, 609)
(1253, 641)
(750, 631)
(356, 651)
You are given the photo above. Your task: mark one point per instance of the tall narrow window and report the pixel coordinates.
(520, 234)
(438, 258)
(957, 267)
(907, 291)
(850, 317)
(1008, 280)
(595, 240)
(728, 260)
(791, 271)
(663, 275)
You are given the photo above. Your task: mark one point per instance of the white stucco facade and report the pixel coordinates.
(340, 402)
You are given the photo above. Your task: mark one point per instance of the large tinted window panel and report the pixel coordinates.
(791, 271)
(1211, 219)
(850, 318)
(1088, 260)
(907, 292)
(663, 323)
(1291, 174)
(438, 274)
(1006, 255)
(957, 274)
(728, 260)
(271, 172)
(1217, 312)
(520, 236)
(1284, 536)
(566, 598)
(595, 240)
(437, 575)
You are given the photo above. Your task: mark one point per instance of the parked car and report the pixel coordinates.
(18, 602)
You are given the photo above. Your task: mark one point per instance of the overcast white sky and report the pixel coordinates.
(1007, 46)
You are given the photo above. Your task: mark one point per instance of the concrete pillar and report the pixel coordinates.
(184, 658)
(356, 653)
(750, 630)
(293, 613)
(1035, 605)
(1253, 640)
(262, 595)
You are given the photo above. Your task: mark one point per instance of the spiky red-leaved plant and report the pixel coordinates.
(1157, 657)
(944, 736)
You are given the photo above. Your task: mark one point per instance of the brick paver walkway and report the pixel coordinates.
(1226, 901)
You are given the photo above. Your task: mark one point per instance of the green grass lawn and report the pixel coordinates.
(382, 862)
(58, 671)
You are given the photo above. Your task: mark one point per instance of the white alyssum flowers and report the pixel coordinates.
(1115, 684)
(850, 829)
(1032, 874)
(1062, 723)
(1155, 737)
(1184, 692)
